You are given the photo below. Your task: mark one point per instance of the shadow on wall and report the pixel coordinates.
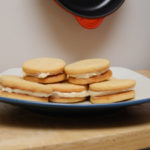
(76, 42)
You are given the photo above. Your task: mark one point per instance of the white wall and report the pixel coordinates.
(37, 28)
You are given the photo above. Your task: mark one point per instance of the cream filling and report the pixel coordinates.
(102, 93)
(43, 75)
(36, 94)
(72, 94)
(88, 75)
(40, 75)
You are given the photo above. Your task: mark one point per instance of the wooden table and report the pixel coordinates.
(125, 129)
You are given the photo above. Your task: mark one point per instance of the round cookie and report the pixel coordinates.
(66, 99)
(16, 82)
(23, 97)
(52, 79)
(112, 91)
(14, 86)
(67, 87)
(87, 66)
(113, 98)
(94, 79)
(68, 93)
(88, 71)
(43, 65)
(44, 70)
(113, 85)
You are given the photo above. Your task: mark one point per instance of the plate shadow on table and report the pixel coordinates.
(19, 117)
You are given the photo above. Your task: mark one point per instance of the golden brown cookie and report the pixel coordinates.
(67, 99)
(113, 98)
(112, 91)
(47, 80)
(67, 87)
(16, 82)
(23, 97)
(88, 71)
(113, 85)
(44, 70)
(14, 85)
(87, 66)
(68, 93)
(90, 80)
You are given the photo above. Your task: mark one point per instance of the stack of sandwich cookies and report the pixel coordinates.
(44, 80)
(88, 71)
(68, 93)
(18, 88)
(44, 70)
(111, 91)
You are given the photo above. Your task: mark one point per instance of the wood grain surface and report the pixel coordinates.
(124, 129)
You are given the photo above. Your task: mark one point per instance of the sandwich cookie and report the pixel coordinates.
(44, 70)
(16, 87)
(68, 93)
(88, 71)
(115, 90)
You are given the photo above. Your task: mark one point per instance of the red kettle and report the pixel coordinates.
(90, 13)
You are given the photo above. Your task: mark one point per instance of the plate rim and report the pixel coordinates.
(63, 105)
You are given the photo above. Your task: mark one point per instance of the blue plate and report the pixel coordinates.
(142, 95)
(49, 107)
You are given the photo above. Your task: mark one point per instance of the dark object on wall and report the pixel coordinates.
(90, 13)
